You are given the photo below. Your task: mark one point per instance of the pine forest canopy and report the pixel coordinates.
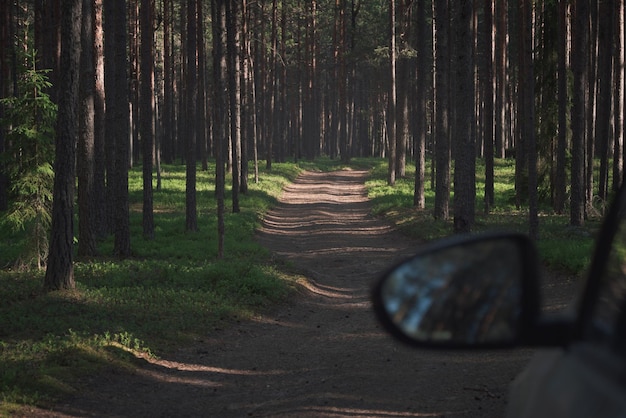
(237, 82)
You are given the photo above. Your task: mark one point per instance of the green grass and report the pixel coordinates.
(561, 247)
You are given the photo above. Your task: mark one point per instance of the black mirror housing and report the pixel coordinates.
(477, 291)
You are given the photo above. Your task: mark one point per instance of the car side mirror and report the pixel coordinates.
(464, 292)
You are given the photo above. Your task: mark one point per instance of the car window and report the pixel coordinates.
(609, 313)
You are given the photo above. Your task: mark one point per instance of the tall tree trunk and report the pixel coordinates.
(402, 88)
(622, 29)
(528, 124)
(146, 113)
(342, 88)
(201, 111)
(182, 121)
(121, 133)
(133, 50)
(253, 106)
(560, 185)
(502, 82)
(489, 84)
(191, 214)
(392, 96)
(244, 82)
(618, 96)
(218, 11)
(580, 39)
(465, 149)
(110, 125)
(591, 104)
(419, 199)
(332, 97)
(521, 156)
(60, 269)
(311, 112)
(270, 88)
(442, 109)
(308, 82)
(260, 77)
(232, 51)
(281, 90)
(5, 76)
(86, 152)
(353, 91)
(168, 86)
(604, 93)
(101, 215)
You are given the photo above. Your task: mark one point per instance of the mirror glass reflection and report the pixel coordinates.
(468, 293)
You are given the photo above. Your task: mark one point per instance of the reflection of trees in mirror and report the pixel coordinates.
(467, 293)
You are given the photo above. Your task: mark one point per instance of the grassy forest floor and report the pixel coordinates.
(173, 313)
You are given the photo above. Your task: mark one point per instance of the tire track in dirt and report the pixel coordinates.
(321, 354)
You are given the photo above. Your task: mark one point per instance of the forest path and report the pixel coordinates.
(321, 354)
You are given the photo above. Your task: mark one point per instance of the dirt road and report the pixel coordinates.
(322, 354)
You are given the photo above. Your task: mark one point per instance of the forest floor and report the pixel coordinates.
(322, 353)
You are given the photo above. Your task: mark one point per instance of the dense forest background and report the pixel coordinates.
(91, 88)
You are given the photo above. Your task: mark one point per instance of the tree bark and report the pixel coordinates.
(191, 218)
(270, 89)
(121, 132)
(489, 84)
(419, 199)
(465, 150)
(618, 96)
(110, 124)
(502, 82)
(530, 141)
(60, 269)
(392, 96)
(103, 224)
(403, 130)
(604, 93)
(5, 76)
(342, 87)
(146, 113)
(218, 11)
(234, 91)
(86, 152)
(560, 185)
(133, 57)
(168, 85)
(245, 83)
(591, 103)
(442, 109)
(201, 111)
(580, 39)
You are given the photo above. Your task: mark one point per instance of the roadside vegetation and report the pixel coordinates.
(174, 290)
(171, 291)
(561, 247)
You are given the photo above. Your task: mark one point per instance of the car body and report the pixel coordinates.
(483, 291)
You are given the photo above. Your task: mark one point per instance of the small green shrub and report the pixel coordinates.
(29, 119)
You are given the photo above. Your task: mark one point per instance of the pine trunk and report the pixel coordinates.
(86, 152)
(60, 269)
